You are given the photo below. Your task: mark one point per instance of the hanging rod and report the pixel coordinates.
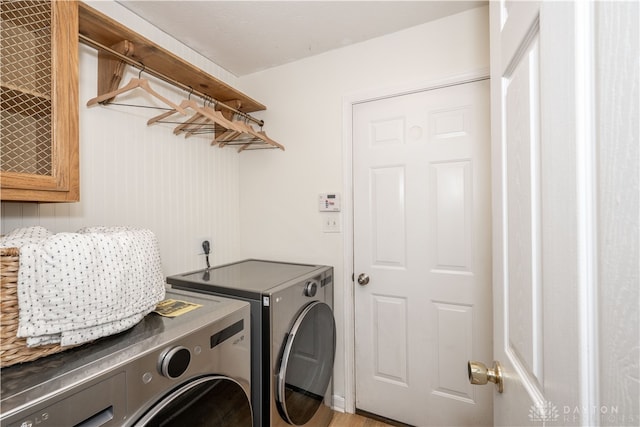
(141, 66)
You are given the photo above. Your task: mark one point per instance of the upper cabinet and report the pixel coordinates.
(39, 110)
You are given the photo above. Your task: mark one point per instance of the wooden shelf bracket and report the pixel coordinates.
(110, 69)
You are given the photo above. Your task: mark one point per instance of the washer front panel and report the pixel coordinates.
(207, 401)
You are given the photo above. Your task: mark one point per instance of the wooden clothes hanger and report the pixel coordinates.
(228, 135)
(264, 139)
(187, 103)
(240, 134)
(261, 135)
(135, 83)
(203, 115)
(197, 120)
(238, 128)
(245, 135)
(218, 118)
(270, 141)
(234, 138)
(236, 131)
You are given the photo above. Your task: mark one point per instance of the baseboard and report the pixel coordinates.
(381, 419)
(337, 403)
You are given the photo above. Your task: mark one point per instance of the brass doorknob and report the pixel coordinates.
(363, 279)
(479, 374)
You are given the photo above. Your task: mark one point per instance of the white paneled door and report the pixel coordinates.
(422, 250)
(543, 208)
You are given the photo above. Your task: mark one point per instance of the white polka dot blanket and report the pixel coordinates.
(77, 287)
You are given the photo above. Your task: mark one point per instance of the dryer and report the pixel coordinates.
(193, 370)
(293, 339)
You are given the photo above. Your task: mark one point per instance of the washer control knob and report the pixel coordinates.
(174, 361)
(310, 288)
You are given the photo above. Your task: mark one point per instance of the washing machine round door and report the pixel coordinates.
(207, 401)
(307, 364)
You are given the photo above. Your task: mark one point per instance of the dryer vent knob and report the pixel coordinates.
(174, 362)
(310, 288)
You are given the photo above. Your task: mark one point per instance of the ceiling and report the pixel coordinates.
(244, 37)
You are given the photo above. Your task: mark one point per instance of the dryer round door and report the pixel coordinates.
(207, 401)
(307, 364)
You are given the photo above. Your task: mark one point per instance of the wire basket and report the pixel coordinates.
(13, 349)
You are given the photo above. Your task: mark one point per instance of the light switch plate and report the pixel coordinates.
(331, 222)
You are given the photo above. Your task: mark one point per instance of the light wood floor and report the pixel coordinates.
(352, 420)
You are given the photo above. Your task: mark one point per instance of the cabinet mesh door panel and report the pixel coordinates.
(25, 77)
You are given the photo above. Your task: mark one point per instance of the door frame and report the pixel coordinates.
(348, 404)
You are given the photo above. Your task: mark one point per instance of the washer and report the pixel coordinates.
(193, 370)
(293, 347)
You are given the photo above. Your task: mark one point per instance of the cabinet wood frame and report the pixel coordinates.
(63, 185)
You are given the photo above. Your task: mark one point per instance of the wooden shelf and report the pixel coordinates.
(32, 93)
(106, 31)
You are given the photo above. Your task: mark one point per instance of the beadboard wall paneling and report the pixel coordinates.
(184, 190)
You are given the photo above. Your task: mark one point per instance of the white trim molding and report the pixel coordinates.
(586, 148)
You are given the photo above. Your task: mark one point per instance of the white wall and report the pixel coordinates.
(279, 190)
(132, 174)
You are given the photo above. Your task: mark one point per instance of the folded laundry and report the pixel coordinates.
(23, 236)
(77, 287)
